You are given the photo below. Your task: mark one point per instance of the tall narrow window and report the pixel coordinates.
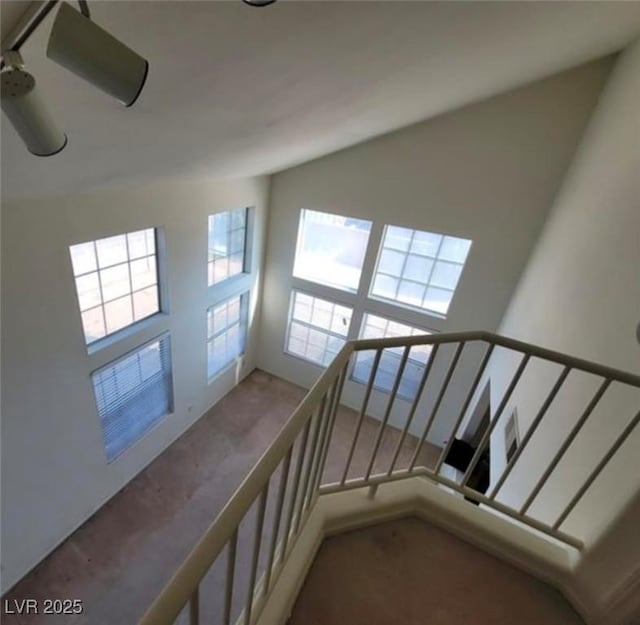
(116, 282)
(331, 249)
(227, 243)
(419, 269)
(317, 328)
(227, 332)
(133, 393)
(374, 327)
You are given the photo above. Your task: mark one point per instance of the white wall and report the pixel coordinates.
(54, 472)
(487, 172)
(581, 294)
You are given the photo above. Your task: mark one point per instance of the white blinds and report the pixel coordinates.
(133, 393)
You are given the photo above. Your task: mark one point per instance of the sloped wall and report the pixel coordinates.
(580, 294)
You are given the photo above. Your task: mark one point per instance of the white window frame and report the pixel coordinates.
(242, 323)
(211, 282)
(363, 301)
(331, 334)
(418, 364)
(426, 284)
(125, 330)
(300, 245)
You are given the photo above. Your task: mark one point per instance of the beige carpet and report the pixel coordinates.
(411, 573)
(120, 559)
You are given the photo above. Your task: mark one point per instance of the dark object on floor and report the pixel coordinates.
(460, 454)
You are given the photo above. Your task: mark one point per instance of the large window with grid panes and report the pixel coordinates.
(419, 269)
(412, 281)
(116, 282)
(227, 236)
(226, 333)
(118, 285)
(228, 293)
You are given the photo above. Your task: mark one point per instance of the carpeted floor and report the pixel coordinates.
(413, 573)
(121, 558)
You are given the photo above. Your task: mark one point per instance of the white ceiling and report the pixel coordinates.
(10, 14)
(236, 91)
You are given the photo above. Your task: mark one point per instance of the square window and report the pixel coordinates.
(88, 287)
(446, 274)
(227, 245)
(331, 249)
(385, 286)
(410, 293)
(391, 262)
(112, 251)
(145, 302)
(438, 300)
(118, 314)
(141, 243)
(93, 324)
(116, 282)
(143, 273)
(398, 238)
(132, 394)
(426, 243)
(419, 269)
(317, 328)
(83, 258)
(374, 327)
(226, 332)
(455, 249)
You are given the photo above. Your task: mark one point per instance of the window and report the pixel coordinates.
(420, 269)
(227, 241)
(116, 281)
(133, 393)
(374, 327)
(226, 332)
(317, 328)
(331, 249)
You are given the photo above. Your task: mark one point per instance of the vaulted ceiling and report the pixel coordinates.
(235, 90)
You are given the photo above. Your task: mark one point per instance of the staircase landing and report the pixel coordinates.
(410, 572)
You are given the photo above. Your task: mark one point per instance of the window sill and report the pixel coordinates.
(417, 309)
(130, 330)
(238, 360)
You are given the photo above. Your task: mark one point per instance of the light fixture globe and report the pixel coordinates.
(28, 115)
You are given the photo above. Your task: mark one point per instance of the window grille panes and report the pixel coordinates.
(226, 333)
(132, 394)
(317, 328)
(419, 269)
(116, 282)
(374, 327)
(331, 249)
(227, 242)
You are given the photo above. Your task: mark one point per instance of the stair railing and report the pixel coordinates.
(293, 467)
